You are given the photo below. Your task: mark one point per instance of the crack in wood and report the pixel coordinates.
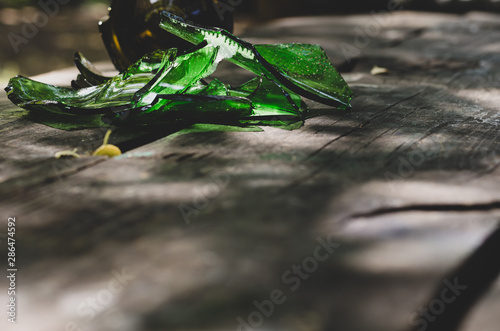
(52, 171)
(391, 156)
(362, 125)
(318, 170)
(487, 206)
(185, 157)
(385, 132)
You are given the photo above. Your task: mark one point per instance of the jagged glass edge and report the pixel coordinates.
(61, 108)
(245, 55)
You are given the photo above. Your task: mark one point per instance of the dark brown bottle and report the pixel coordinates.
(131, 30)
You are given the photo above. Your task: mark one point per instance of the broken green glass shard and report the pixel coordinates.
(303, 69)
(160, 88)
(164, 86)
(178, 76)
(89, 75)
(269, 98)
(196, 108)
(307, 66)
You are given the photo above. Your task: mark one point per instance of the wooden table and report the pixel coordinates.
(356, 221)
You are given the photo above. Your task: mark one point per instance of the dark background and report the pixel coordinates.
(75, 26)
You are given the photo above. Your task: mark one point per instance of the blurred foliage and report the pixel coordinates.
(299, 7)
(34, 3)
(48, 45)
(75, 28)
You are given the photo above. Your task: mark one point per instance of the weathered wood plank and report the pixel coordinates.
(201, 225)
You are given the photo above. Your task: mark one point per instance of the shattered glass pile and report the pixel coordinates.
(164, 86)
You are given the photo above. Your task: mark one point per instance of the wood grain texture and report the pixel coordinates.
(200, 226)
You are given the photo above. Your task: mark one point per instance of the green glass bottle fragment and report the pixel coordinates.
(131, 29)
(269, 98)
(89, 75)
(159, 88)
(308, 67)
(303, 69)
(163, 86)
(112, 94)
